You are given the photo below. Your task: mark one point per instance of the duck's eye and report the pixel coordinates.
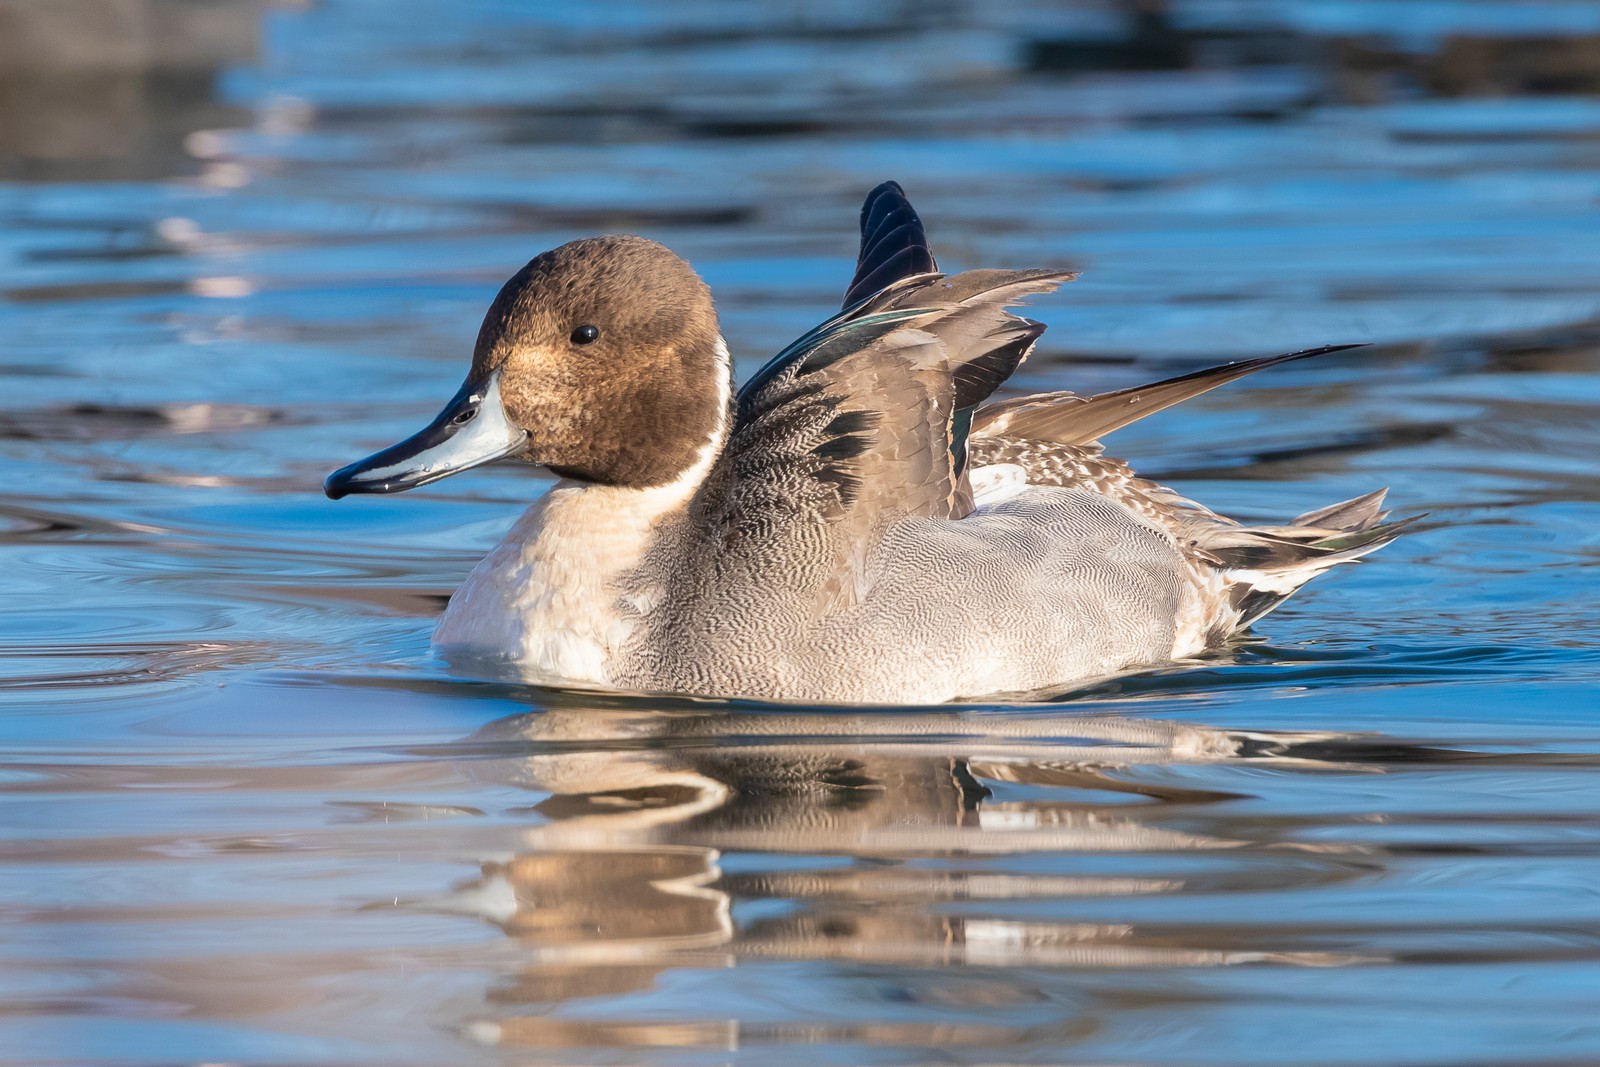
(586, 335)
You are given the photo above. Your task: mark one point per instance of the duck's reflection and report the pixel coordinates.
(670, 839)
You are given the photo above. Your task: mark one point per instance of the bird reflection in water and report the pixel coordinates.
(673, 839)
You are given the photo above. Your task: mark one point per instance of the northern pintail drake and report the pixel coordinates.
(859, 523)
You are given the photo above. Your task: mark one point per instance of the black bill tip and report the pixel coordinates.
(342, 482)
(471, 430)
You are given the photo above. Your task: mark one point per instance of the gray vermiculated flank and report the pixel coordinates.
(1055, 584)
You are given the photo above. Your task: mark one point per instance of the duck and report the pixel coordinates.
(862, 522)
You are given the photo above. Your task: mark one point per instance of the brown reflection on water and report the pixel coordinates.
(902, 853)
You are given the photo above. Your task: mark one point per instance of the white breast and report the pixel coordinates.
(547, 596)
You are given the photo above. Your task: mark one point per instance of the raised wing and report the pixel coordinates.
(861, 421)
(893, 244)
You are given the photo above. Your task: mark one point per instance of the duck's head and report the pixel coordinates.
(600, 360)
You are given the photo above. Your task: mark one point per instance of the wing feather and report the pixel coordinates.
(863, 417)
(893, 244)
(1068, 419)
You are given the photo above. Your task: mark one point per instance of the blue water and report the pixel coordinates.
(245, 817)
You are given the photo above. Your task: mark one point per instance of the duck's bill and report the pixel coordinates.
(471, 431)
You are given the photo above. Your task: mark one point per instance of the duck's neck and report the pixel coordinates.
(549, 595)
(653, 502)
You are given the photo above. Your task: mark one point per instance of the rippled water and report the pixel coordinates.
(245, 817)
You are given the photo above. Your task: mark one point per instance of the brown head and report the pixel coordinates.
(600, 359)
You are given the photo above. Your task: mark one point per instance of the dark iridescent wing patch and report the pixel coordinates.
(893, 244)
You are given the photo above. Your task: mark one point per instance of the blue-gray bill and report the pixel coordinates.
(471, 430)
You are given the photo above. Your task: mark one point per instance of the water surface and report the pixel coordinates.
(245, 817)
